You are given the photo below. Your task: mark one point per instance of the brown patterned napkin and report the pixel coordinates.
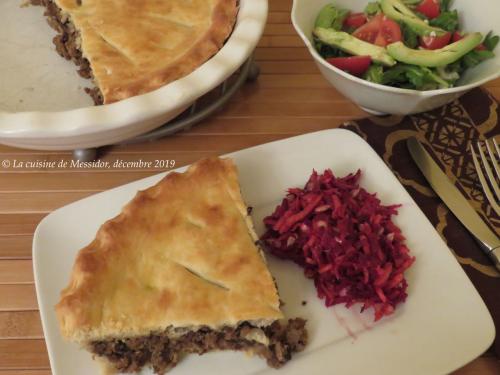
(447, 133)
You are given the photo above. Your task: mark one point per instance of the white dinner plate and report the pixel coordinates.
(443, 325)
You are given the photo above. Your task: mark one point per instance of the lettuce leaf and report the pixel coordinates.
(413, 77)
(446, 20)
(410, 37)
(491, 41)
(372, 8)
(331, 17)
(474, 57)
(375, 73)
(445, 5)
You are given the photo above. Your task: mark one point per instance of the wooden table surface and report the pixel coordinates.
(289, 98)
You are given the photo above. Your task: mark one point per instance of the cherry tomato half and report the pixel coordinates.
(429, 8)
(369, 31)
(456, 36)
(355, 20)
(435, 42)
(380, 30)
(356, 65)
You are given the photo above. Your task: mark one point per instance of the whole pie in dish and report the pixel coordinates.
(178, 271)
(131, 47)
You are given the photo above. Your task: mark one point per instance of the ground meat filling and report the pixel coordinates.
(162, 353)
(67, 43)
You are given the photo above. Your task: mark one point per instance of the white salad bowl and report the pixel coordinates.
(479, 15)
(42, 103)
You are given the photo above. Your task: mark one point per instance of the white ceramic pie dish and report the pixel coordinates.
(479, 15)
(33, 75)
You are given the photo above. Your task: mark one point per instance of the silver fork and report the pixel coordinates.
(490, 179)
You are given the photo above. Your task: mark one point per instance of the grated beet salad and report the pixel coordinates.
(345, 240)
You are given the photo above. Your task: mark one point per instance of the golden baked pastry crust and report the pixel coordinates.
(136, 46)
(180, 254)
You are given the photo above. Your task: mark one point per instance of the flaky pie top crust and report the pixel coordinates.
(136, 46)
(180, 254)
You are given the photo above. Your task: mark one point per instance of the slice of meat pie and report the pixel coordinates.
(130, 47)
(177, 272)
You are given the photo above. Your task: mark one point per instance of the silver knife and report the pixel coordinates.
(455, 201)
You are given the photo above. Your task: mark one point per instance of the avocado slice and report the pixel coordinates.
(396, 10)
(331, 17)
(354, 46)
(434, 58)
